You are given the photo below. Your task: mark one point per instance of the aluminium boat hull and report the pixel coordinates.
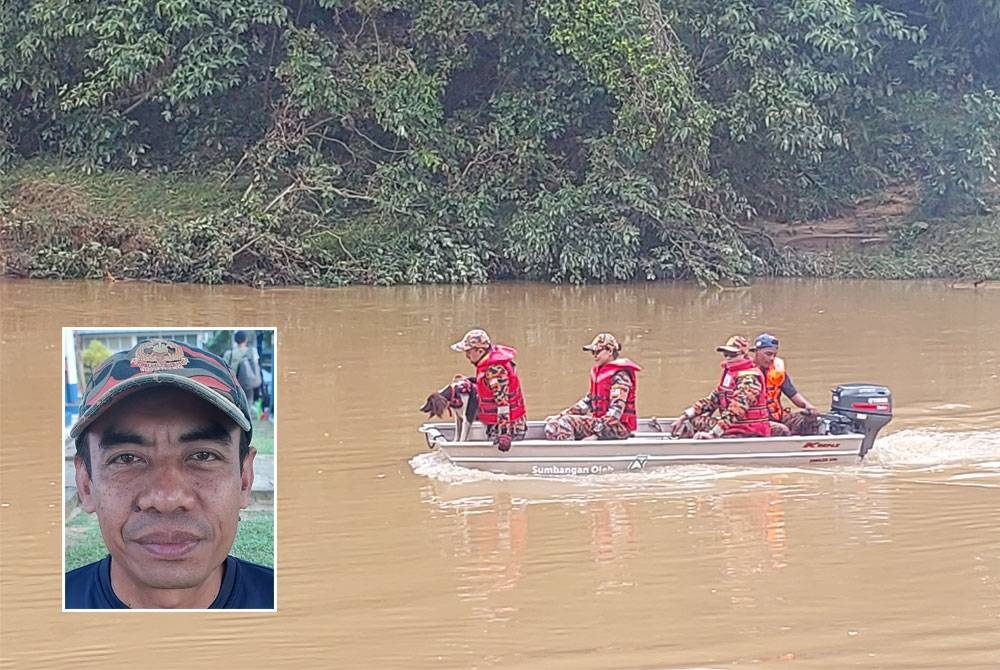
(649, 447)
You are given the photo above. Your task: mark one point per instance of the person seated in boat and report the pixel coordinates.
(783, 420)
(501, 403)
(608, 411)
(738, 405)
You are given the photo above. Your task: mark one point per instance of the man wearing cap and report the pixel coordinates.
(163, 457)
(608, 411)
(738, 405)
(783, 421)
(501, 403)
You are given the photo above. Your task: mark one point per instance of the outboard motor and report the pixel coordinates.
(860, 408)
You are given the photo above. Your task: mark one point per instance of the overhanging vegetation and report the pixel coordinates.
(332, 141)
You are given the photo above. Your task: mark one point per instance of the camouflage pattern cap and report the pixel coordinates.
(158, 361)
(603, 341)
(737, 344)
(474, 339)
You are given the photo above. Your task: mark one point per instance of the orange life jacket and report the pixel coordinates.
(600, 390)
(754, 422)
(775, 378)
(504, 356)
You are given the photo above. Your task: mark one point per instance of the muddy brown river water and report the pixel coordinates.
(390, 558)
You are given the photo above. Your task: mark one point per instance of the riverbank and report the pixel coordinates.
(62, 223)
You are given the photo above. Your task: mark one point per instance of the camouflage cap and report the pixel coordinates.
(474, 339)
(737, 344)
(603, 341)
(159, 361)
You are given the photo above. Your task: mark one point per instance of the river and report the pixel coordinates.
(389, 558)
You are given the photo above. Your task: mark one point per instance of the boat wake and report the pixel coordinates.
(918, 448)
(976, 454)
(435, 465)
(675, 479)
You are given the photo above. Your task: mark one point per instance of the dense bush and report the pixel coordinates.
(390, 141)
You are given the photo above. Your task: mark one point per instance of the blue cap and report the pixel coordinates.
(765, 341)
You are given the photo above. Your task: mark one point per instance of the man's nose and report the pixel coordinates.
(166, 490)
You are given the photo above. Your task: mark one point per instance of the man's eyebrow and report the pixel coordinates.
(113, 437)
(213, 432)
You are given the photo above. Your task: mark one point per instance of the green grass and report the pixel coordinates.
(84, 543)
(263, 437)
(130, 194)
(254, 539)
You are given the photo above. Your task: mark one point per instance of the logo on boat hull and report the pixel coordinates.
(638, 463)
(821, 445)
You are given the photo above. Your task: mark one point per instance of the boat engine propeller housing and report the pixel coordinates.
(859, 408)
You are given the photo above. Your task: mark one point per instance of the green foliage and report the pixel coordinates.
(968, 250)
(106, 81)
(388, 141)
(95, 354)
(955, 151)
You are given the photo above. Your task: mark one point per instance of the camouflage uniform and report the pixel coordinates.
(796, 423)
(498, 380)
(792, 422)
(710, 417)
(578, 421)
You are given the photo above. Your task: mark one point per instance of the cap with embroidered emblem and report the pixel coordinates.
(160, 361)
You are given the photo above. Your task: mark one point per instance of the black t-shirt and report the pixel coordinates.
(244, 586)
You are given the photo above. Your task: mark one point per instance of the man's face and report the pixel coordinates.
(475, 354)
(764, 357)
(603, 356)
(167, 489)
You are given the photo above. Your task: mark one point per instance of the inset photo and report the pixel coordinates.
(169, 468)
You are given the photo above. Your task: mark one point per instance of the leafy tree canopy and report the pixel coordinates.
(464, 140)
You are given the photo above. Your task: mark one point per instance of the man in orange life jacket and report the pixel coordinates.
(738, 405)
(608, 411)
(783, 420)
(501, 404)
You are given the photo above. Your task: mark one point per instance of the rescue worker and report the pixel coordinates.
(738, 405)
(501, 403)
(607, 412)
(783, 421)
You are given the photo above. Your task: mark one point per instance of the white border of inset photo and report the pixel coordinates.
(264, 488)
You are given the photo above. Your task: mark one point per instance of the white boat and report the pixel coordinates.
(858, 412)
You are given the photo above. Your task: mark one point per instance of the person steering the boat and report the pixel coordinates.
(501, 403)
(738, 405)
(608, 411)
(778, 381)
